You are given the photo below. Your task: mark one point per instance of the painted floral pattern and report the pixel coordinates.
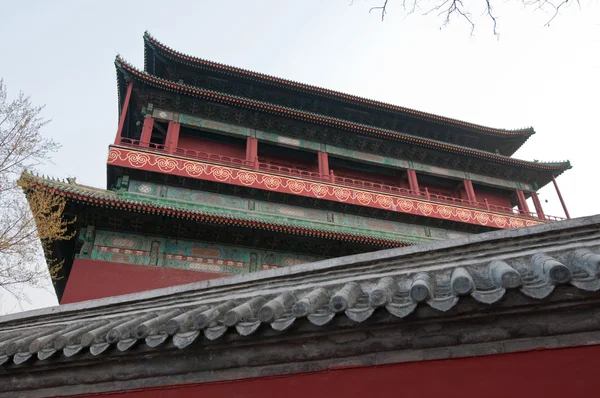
(186, 168)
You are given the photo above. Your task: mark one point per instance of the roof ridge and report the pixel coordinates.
(366, 101)
(67, 181)
(120, 62)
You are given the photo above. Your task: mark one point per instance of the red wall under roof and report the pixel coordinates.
(93, 279)
(202, 144)
(560, 373)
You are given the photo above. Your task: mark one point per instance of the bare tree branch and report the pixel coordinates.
(382, 8)
(447, 9)
(490, 12)
(25, 221)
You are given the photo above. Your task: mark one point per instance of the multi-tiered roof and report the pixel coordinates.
(347, 215)
(334, 117)
(164, 62)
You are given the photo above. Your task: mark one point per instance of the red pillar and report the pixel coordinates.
(412, 180)
(562, 202)
(123, 113)
(522, 205)
(147, 131)
(172, 136)
(251, 150)
(323, 160)
(470, 191)
(538, 206)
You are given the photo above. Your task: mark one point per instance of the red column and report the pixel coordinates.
(147, 131)
(323, 160)
(562, 202)
(470, 191)
(522, 205)
(538, 206)
(412, 180)
(123, 114)
(251, 150)
(172, 136)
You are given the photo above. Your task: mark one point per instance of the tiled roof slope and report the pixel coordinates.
(126, 68)
(485, 268)
(201, 212)
(153, 44)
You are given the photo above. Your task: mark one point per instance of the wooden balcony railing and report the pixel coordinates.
(339, 180)
(188, 153)
(291, 171)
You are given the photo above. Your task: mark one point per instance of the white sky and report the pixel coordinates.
(62, 53)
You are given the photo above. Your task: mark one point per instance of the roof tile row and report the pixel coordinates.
(398, 293)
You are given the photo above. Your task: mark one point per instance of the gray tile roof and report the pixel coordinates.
(439, 275)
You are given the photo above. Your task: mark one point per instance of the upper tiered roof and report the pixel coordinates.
(158, 56)
(547, 169)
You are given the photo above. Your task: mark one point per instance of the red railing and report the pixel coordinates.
(438, 197)
(137, 144)
(188, 153)
(345, 181)
(375, 186)
(291, 171)
(211, 157)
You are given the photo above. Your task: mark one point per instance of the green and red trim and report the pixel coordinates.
(109, 199)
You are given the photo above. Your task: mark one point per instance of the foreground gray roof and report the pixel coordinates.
(514, 269)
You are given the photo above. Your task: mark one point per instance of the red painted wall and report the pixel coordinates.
(202, 144)
(436, 189)
(303, 164)
(93, 279)
(497, 198)
(560, 373)
(346, 172)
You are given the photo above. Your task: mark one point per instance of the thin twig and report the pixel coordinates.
(382, 8)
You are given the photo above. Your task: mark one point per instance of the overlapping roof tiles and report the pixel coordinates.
(484, 267)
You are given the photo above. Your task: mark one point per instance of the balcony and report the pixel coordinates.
(438, 198)
(430, 196)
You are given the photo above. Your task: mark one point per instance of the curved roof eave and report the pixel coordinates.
(522, 133)
(185, 89)
(103, 198)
